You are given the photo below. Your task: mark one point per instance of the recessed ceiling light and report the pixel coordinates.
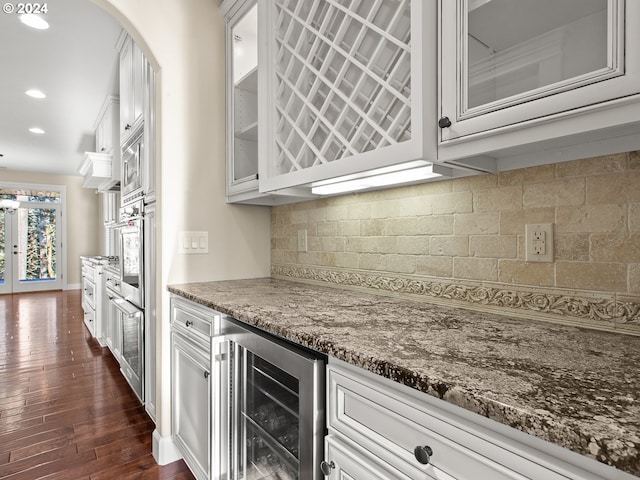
(35, 93)
(34, 21)
(37, 130)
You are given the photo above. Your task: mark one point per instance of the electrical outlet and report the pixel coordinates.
(302, 240)
(539, 242)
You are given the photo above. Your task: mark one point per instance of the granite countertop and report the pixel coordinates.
(574, 387)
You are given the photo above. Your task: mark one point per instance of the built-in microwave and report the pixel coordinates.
(131, 184)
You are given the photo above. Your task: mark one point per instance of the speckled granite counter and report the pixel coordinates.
(574, 387)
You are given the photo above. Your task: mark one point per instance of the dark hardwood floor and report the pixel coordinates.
(66, 412)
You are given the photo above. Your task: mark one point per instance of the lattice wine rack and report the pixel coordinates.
(341, 79)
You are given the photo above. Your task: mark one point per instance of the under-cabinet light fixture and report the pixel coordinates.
(35, 93)
(410, 172)
(36, 130)
(34, 21)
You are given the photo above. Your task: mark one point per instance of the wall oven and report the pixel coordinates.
(277, 407)
(131, 185)
(132, 252)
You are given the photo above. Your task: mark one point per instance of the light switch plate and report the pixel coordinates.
(539, 242)
(190, 243)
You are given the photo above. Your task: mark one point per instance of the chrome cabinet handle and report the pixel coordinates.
(423, 454)
(326, 468)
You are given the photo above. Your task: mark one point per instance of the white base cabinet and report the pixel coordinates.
(377, 425)
(192, 402)
(350, 462)
(197, 377)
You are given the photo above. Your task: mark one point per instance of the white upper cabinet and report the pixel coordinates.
(536, 74)
(132, 86)
(347, 85)
(243, 90)
(242, 98)
(107, 126)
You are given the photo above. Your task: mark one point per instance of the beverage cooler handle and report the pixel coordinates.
(126, 308)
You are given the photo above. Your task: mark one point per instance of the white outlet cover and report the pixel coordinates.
(302, 240)
(531, 253)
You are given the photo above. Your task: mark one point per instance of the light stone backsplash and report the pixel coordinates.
(469, 232)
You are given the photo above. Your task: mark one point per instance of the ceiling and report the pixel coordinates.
(74, 63)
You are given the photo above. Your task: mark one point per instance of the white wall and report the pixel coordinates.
(184, 42)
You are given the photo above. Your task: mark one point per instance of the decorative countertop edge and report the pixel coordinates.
(539, 423)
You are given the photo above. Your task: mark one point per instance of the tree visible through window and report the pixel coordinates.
(36, 234)
(41, 244)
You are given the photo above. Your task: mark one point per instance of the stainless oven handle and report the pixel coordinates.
(126, 308)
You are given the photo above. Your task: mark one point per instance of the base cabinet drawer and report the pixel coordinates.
(423, 440)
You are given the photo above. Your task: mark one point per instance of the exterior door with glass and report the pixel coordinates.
(30, 248)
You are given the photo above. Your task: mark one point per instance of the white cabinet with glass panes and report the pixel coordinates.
(521, 76)
(242, 107)
(242, 96)
(349, 91)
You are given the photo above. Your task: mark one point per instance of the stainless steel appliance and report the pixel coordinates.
(277, 407)
(131, 184)
(132, 359)
(132, 252)
(125, 336)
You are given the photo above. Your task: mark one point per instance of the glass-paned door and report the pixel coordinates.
(30, 248)
(6, 253)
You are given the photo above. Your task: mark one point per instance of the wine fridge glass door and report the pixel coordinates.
(277, 410)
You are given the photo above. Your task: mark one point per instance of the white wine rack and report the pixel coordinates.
(341, 80)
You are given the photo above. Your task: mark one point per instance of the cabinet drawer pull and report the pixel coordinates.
(327, 467)
(206, 374)
(423, 454)
(188, 323)
(444, 122)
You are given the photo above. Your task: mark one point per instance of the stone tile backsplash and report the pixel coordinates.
(470, 232)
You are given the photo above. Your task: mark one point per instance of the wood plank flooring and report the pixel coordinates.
(66, 412)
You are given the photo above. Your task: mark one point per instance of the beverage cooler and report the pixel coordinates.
(277, 407)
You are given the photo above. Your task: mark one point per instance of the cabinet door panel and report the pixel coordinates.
(242, 98)
(349, 463)
(555, 58)
(139, 84)
(191, 405)
(345, 88)
(126, 92)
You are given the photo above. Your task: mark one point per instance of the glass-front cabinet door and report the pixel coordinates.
(242, 98)
(505, 62)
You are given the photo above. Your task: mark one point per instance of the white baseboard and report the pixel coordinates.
(164, 450)
(72, 286)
